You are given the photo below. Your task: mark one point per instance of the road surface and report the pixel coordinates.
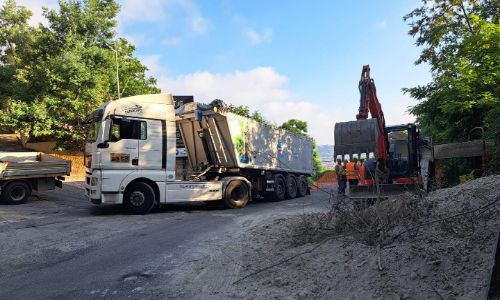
(58, 245)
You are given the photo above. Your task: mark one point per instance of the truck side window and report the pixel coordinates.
(127, 129)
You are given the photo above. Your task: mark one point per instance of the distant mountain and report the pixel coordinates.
(325, 152)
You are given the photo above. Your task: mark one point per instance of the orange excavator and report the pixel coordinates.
(392, 154)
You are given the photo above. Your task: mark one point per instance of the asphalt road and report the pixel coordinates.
(58, 245)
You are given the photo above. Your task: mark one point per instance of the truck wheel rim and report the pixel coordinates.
(137, 198)
(236, 194)
(280, 188)
(17, 194)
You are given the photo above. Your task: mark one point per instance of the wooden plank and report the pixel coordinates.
(454, 150)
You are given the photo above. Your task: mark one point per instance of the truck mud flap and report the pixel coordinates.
(58, 183)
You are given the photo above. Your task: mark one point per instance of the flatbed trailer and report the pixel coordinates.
(23, 172)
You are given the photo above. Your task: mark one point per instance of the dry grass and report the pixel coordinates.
(405, 215)
(77, 167)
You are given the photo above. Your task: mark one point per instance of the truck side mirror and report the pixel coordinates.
(106, 126)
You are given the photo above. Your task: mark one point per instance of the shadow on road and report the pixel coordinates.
(175, 207)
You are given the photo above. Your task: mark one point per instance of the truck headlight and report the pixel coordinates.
(93, 181)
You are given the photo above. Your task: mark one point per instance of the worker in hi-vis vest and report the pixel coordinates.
(352, 172)
(361, 171)
(341, 178)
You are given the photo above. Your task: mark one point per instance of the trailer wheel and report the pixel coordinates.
(139, 198)
(302, 186)
(16, 192)
(291, 187)
(236, 194)
(279, 189)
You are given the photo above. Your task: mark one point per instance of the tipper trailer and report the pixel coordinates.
(23, 172)
(132, 156)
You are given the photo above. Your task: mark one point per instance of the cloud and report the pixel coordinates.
(381, 24)
(172, 41)
(257, 38)
(152, 62)
(194, 18)
(161, 11)
(261, 89)
(143, 11)
(35, 6)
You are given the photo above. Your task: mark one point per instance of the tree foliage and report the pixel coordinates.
(461, 43)
(244, 111)
(53, 75)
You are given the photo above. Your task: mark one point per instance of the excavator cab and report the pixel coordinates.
(403, 160)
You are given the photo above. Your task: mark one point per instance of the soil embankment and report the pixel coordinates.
(446, 252)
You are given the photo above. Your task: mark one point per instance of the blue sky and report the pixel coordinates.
(287, 59)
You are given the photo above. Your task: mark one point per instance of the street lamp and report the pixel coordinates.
(117, 76)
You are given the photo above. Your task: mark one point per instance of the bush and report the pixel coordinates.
(493, 142)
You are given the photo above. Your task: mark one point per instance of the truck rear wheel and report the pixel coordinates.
(139, 198)
(302, 186)
(16, 192)
(236, 194)
(279, 189)
(291, 187)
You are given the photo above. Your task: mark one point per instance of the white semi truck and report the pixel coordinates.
(132, 156)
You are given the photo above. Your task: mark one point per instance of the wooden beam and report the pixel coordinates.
(454, 150)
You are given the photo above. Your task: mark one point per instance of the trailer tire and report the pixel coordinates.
(291, 187)
(279, 189)
(139, 198)
(302, 186)
(236, 194)
(16, 192)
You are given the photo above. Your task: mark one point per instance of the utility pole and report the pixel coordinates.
(117, 74)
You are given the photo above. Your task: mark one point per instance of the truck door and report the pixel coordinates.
(151, 145)
(123, 144)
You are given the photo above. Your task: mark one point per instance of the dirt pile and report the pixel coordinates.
(445, 251)
(327, 181)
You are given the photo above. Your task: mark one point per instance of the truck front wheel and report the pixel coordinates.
(139, 198)
(236, 194)
(16, 192)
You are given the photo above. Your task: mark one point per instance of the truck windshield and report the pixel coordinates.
(93, 132)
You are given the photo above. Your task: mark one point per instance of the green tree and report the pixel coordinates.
(61, 72)
(244, 111)
(460, 41)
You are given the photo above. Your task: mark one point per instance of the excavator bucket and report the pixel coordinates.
(356, 137)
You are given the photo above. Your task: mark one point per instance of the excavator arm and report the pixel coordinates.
(369, 103)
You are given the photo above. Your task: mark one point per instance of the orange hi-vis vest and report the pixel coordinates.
(350, 170)
(361, 174)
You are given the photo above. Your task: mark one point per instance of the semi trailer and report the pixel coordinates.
(133, 155)
(23, 172)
